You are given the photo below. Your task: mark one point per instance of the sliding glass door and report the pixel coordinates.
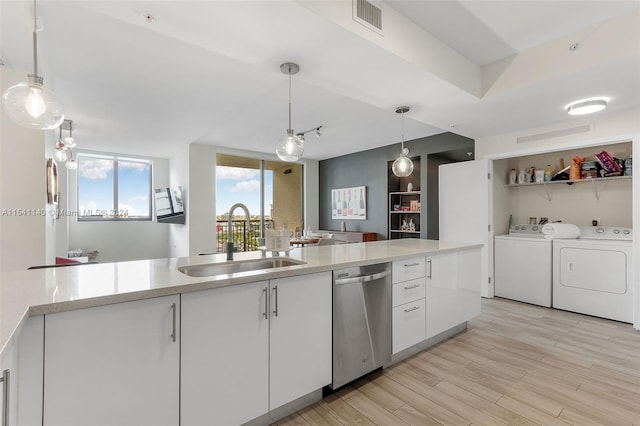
(271, 190)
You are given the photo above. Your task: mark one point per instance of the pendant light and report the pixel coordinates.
(290, 147)
(403, 166)
(61, 150)
(66, 144)
(30, 104)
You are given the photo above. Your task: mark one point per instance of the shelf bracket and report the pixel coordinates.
(595, 190)
(547, 191)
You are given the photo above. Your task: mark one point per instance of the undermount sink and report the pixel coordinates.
(212, 269)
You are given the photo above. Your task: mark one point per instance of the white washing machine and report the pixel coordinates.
(523, 265)
(593, 274)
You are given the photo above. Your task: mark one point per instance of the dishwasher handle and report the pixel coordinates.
(363, 278)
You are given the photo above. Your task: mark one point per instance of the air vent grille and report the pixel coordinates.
(367, 14)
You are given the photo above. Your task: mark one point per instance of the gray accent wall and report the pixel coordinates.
(369, 168)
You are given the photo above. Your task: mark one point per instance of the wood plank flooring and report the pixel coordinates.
(517, 364)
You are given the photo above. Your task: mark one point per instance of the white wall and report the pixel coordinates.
(179, 176)
(23, 237)
(193, 168)
(311, 194)
(606, 128)
(202, 199)
(121, 241)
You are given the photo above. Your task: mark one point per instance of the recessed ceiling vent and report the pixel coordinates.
(556, 133)
(368, 14)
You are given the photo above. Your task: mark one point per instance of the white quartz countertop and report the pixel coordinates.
(45, 291)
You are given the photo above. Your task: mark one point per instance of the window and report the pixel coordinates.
(238, 180)
(113, 188)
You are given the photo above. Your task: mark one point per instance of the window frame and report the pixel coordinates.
(116, 160)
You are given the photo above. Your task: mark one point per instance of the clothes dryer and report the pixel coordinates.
(593, 274)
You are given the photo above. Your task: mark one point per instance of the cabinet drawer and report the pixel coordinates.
(408, 269)
(408, 325)
(408, 291)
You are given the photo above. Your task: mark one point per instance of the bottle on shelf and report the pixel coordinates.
(548, 173)
(513, 177)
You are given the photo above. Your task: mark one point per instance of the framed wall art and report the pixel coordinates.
(349, 203)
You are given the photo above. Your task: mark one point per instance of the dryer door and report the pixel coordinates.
(603, 270)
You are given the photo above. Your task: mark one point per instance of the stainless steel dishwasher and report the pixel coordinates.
(361, 321)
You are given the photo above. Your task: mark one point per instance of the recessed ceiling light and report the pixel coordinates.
(587, 106)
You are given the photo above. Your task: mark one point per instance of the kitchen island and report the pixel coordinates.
(144, 334)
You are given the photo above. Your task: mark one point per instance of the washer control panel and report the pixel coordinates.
(526, 230)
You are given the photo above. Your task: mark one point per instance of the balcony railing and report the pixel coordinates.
(244, 239)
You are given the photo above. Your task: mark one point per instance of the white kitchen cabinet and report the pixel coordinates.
(300, 336)
(225, 355)
(22, 359)
(408, 269)
(453, 289)
(408, 325)
(251, 348)
(408, 301)
(113, 365)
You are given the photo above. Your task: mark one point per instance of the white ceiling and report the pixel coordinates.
(208, 71)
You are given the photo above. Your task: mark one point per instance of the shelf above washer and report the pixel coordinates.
(593, 181)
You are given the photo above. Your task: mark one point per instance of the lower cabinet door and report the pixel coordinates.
(408, 325)
(21, 366)
(113, 365)
(225, 358)
(301, 327)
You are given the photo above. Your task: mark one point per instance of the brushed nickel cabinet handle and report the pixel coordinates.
(406, 265)
(412, 309)
(265, 314)
(275, 291)
(5, 397)
(430, 271)
(412, 286)
(173, 322)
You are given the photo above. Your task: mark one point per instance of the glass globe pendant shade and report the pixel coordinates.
(60, 155)
(32, 105)
(290, 147)
(402, 166)
(71, 164)
(69, 142)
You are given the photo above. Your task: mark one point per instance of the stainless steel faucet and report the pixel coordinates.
(230, 227)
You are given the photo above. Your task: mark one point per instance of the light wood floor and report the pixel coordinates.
(517, 364)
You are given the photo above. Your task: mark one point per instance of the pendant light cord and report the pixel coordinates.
(290, 130)
(35, 40)
(402, 133)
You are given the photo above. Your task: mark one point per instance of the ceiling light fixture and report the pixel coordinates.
(290, 147)
(30, 104)
(402, 166)
(587, 106)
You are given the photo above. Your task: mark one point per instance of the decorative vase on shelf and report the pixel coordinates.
(409, 187)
